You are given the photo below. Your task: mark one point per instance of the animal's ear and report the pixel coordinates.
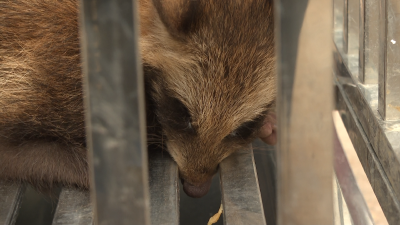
(179, 16)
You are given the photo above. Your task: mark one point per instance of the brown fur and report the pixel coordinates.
(208, 65)
(221, 70)
(42, 135)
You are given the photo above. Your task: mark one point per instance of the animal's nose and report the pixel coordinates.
(196, 191)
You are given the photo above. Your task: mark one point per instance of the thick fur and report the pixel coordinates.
(42, 133)
(209, 70)
(213, 67)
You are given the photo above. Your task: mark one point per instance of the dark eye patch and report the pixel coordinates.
(246, 130)
(170, 112)
(174, 115)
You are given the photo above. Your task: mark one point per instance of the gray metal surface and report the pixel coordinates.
(265, 160)
(74, 205)
(116, 112)
(353, 27)
(345, 34)
(74, 208)
(305, 147)
(338, 18)
(383, 136)
(10, 200)
(369, 160)
(240, 192)
(369, 41)
(354, 200)
(389, 60)
(164, 188)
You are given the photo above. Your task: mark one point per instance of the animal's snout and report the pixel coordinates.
(198, 190)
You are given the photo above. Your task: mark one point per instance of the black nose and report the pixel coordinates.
(196, 191)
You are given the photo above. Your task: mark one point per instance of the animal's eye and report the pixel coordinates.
(189, 125)
(246, 130)
(174, 115)
(234, 133)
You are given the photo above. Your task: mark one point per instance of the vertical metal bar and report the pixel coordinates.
(164, 188)
(345, 26)
(240, 192)
(389, 60)
(353, 28)
(361, 55)
(339, 24)
(10, 200)
(74, 207)
(115, 111)
(305, 105)
(369, 41)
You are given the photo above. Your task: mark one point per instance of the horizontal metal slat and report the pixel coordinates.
(164, 189)
(74, 207)
(10, 199)
(241, 196)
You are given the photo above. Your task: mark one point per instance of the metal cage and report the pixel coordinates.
(133, 186)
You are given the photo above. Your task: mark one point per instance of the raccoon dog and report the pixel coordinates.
(209, 70)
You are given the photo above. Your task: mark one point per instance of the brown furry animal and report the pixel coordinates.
(210, 85)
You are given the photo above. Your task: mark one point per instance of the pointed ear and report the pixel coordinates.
(179, 16)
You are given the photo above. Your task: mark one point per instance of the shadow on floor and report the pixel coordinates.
(198, 211)
(36, 208)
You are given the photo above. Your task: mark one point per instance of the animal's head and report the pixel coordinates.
(209, 68)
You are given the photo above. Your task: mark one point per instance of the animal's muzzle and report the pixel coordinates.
(196, 191)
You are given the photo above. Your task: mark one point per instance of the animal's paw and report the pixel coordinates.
(268, 132)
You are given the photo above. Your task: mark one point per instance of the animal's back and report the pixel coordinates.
(42, 135)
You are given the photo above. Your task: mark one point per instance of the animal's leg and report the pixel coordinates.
(44, 164)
